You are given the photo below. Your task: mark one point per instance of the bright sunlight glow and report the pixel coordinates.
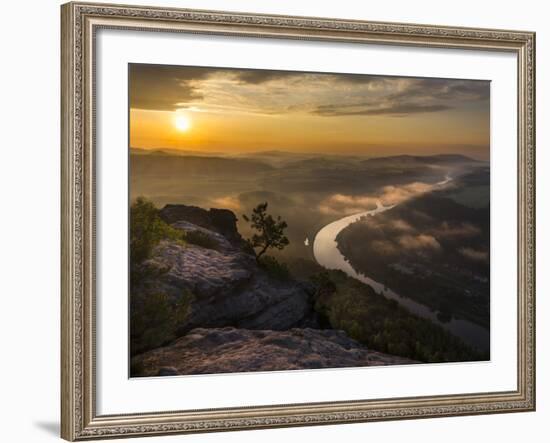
(182, 123)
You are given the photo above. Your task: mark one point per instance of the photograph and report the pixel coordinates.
(287, 220)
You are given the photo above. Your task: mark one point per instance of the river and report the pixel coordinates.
(327, 254)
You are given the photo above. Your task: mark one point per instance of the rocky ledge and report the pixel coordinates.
(226, 350)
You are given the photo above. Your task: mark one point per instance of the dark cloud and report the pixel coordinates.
(394, 109)
(358, 79)
(443, 89)
(257, 77)
(161, 87)
(413, 97)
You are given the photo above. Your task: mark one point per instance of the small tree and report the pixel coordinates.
(270, 231)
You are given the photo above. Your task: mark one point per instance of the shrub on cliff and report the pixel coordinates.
(274, 268)
(147, 229)
(154, 318)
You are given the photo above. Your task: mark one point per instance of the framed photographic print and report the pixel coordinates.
(282, 221)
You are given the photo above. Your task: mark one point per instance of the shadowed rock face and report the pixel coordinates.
(226, 350)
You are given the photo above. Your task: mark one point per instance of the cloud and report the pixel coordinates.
(227, 202)
(401, 225)
(384, 247)
(457, 230)
(393, 195)
(260, 76)
(421, 241)
(444, 89)
(394, 109)
(474, 255)
(399, 97)
(341, 204)
(163, 87)
(351, 199)
(268, 92)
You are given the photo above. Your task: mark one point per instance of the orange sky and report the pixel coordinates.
(235, 111)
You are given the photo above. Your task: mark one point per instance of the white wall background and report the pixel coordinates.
(29, 219)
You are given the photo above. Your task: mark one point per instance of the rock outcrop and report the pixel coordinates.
(223, 283)
(222, 221)
(226, 350)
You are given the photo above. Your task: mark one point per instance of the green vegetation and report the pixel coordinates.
(154, 317)
(147, 229)
(382, 325)
(303, 268)
(274, 268)
(271, 232)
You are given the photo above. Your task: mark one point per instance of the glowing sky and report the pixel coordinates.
(236, 110)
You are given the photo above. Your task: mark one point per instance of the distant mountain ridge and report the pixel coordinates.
(194, 162)
(434, 159)
(174, 152)
(167, 164)
(305, 156)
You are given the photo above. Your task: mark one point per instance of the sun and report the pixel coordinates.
(182, 123)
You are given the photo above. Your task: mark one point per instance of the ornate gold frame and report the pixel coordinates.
(79, 420)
